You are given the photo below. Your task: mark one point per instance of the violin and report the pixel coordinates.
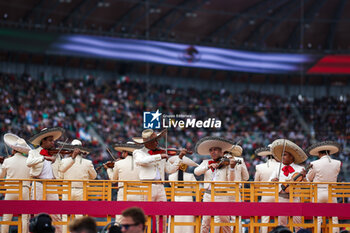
(109, 164)
(297, 177)
(55, 151)
(224, 161)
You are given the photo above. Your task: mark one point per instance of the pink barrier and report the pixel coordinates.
(103, 208)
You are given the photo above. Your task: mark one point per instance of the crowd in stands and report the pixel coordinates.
(114, 109)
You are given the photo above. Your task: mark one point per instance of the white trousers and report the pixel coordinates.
(266, 219)
(25, 217)
(322, 197)
(282, 220)
(223, 219)
(77, 194)
(52, 197)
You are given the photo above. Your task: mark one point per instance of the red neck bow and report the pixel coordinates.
(156, 152)
(287, 170)
(45, 152)
(210, 162)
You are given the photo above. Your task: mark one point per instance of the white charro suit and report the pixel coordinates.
(324, 169)
(153, 167)
(263, 173)
(16, 168)
(183, 218)
(223, 174)
(124, 169)
(241, 174)
(82, 169)
(282, 220)
(39, 166)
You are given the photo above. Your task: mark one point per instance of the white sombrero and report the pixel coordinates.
(74, 144)
(129, 147)
(147, 136)
(16, 143)
(185, 160)
(203, 145)
(56, 133)
(263, 151)
(331, 146)
(277, 149)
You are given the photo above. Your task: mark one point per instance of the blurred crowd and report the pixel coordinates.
(114, 110)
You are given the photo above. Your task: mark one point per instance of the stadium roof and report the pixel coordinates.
(321, 25)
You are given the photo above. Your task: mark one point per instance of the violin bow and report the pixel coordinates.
(233, 147)
(59, 150)
(284, 147)
(110, 153)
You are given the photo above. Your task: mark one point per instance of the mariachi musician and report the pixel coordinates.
(263, 173)
(325, 169)
(290, 155)
(46, 165)
(152, 162)
(15, 167)
(182, 175)
(215, 170)
(82, 169)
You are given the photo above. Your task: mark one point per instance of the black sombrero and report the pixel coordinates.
(331, 146)
(56, 133)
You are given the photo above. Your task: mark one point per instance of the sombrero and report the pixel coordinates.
(331, 146)
(74, 144)
(147, 136)
(235, 150)
(185, 160)
(55, 132)
(277, 149)
(263, 151)
(129, 147)
(16, 143)
(204, 144)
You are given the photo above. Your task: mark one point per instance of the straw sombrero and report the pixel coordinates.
(16, 143)
(203, 145)
(129, 147)
(147, 136)
(263, 151)
(185, 160)
(277, 149)
(56, 133)
(74, 144)
(331, 146)
(236, 150)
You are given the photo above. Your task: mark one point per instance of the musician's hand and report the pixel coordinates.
(75, 153)
(213, 166)
(183, 153)
(50, 158)
(164, 156)
(233, 163)
(275, 179)
(303, 173)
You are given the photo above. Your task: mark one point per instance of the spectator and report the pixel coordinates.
(133, 220)
(83, 225)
